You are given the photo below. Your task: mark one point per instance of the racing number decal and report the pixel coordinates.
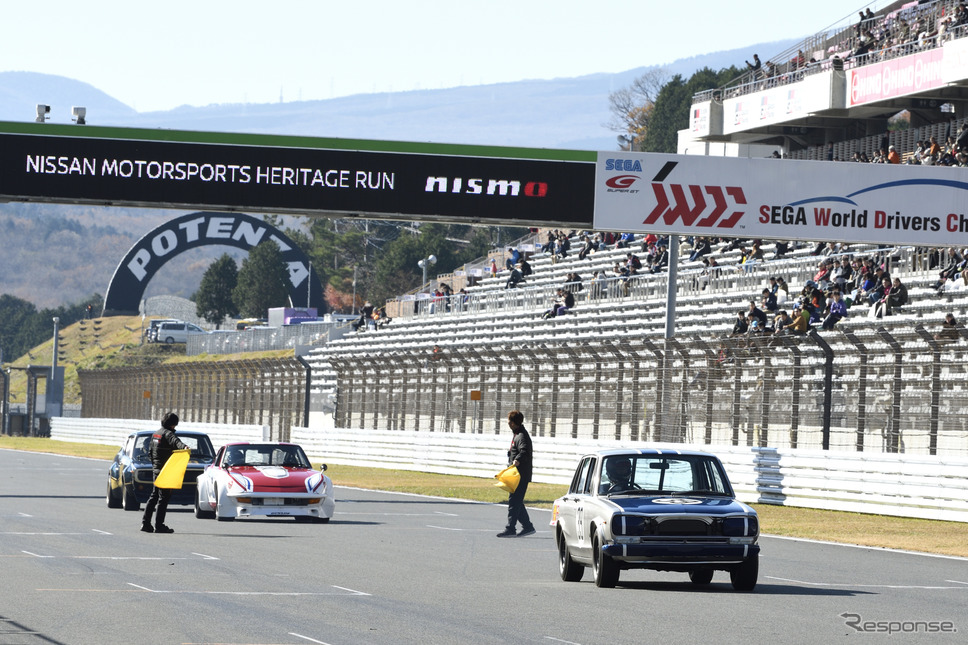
(580, 529)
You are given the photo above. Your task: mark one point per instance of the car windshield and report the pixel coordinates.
(265, 455)
(663, 474)
(200, 446)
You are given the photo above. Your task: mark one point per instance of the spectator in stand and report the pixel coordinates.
(740, 327)
(515, 278)
(814, 302)
(623, 274)
(661, 259)
(836, 311)
(573, 283)
(493, 267)
(892, 156)
(526, 269)
(880, 307)
(895, 297)
(840, 273)
(782, 291)
(649, 241)
(625, 241)
(702, 247)
(781, 323)
(962, 141)
(768, 301)
(780, 249)
(564, 302)
(588, 245)
(633, 262)
(514, 256)
(757, 313)
(366, 314)
(952, 265)
(598, 287)
(561, 247)
(949, 329)
(755, 68)
(821, 277)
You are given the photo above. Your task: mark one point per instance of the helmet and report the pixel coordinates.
(618, 468)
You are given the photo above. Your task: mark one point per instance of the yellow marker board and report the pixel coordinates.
(173, 474)
(508, 479)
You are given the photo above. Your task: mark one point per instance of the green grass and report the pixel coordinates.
(929, 536)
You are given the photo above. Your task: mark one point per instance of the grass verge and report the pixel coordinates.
(929, 536)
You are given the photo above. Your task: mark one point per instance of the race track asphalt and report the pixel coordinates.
(393, 568)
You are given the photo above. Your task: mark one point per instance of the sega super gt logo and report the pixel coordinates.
(622, 183)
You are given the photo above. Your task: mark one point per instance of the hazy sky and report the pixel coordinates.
(159, 55)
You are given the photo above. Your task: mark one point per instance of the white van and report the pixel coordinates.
(176, 332)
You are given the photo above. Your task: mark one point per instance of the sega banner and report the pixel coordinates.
(782, 199)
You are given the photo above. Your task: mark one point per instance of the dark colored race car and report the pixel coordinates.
(666, 510)
(130, 479)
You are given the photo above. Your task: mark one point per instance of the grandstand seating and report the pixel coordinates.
(494, 315)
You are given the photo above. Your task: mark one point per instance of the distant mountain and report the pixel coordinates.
(567, 113)
(56, 255)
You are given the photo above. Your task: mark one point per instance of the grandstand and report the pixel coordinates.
(606, 368)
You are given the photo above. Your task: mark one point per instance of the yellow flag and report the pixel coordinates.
(508, 479)
(173, 473)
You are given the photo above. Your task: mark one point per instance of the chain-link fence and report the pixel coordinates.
(263, 392)
(869, 389)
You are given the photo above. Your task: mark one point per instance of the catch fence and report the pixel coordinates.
(868, 389)
(269, 392)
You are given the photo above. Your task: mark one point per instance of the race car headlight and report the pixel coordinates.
(740, 526)
(632, 525)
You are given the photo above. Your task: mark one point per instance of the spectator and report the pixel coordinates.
(836, 311)
(880, 306)
(703, 247)
(588, 245)
(624, 278)
(768, 300)
(366, 316)
(573, 283)
(892, 156)
(896, 297)
(949, 329)
(661, 259)
(740, 327)
(757, 313)
(526, 269)
(515, 278)
(514, 257)
(755, 68)
(564, 302)
(633, 262)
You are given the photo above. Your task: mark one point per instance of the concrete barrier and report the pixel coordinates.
(113, 432)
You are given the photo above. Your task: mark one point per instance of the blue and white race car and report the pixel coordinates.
(666, 510)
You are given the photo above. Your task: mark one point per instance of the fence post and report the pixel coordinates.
(935, 387)
(828, 380)
(861, 387)
(894, 436)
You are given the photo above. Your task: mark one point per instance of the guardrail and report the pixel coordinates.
(113, 432)
(895, 485)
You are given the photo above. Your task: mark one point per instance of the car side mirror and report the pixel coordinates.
(322, 468)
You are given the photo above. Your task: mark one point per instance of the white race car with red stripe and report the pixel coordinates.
(264, 480)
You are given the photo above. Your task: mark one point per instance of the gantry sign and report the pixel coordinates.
(297, 175)
(639, 192)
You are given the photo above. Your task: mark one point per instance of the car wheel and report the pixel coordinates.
(169, 341)
(744, 575)
(128, 500)
(112, 498)
(701, 576)
(568, 569)
(605, 569)
(199, 513)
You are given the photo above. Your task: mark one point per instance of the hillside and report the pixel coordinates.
(105, 343)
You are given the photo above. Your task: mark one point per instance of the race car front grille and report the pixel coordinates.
(681, 527)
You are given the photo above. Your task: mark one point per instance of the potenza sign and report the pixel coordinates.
(301, 178)
(782, 199)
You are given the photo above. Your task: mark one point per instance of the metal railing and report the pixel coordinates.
(261, 392)
(865, 390)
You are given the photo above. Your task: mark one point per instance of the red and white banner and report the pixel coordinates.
(782, 199)
(895, 78)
